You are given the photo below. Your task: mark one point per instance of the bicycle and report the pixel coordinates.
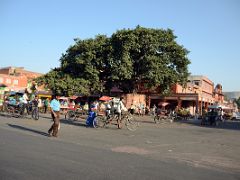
(128, 119)
(73, 114)
(162, 118)
(11, 109)
(35, 113)
(17, 111)
(70, 114)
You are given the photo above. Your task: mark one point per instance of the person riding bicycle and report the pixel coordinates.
(108, 109)
(120, 111)
(154, 110)
(35, 102)
(34, 107)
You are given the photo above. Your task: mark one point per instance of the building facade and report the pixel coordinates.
(196, 96)
(13, 83)
(16, 78)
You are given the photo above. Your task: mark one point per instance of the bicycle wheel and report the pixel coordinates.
(131, 123)
(10, 111)
(71, 115)
(35, 114)
(99, 122)
(95, 122)
(156, 119)
(163, 120)
(171, 119)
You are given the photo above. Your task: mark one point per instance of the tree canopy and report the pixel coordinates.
(126, 59)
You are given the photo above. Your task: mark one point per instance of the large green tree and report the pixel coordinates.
(149, 56)
(63, 84)
(126, 59)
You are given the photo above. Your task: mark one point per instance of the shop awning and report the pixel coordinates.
(163, 104)
(105, 98)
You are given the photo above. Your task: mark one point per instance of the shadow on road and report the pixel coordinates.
(45, 116)
(28, 129)
(78, 122)
(75, 123)
(8, 115)
(229, 124)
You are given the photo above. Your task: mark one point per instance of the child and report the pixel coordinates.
(90, 119)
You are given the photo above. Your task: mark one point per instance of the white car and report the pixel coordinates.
(236, 115)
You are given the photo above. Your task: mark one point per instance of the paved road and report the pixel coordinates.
(163, 151)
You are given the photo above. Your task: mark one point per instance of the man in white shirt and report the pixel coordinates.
(25, 102)
(121, 110)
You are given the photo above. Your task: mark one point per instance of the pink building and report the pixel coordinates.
(13, 83)
(16, 78)
(198, 94)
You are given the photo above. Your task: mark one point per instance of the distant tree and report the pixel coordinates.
(237, 101)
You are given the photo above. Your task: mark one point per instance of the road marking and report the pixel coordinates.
(131, 150)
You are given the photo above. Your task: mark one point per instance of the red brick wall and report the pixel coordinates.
(134, 99)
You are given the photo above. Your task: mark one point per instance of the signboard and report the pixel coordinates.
(189, 98)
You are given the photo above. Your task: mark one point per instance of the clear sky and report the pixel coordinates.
(35, 33)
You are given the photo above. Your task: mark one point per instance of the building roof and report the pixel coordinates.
(21, 71)
(200, 77)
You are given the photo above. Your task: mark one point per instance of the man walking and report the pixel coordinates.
(55, 112)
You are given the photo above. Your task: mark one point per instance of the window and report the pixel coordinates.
(1, 80)
(15, 82)
(8, 81)
(197, 83)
